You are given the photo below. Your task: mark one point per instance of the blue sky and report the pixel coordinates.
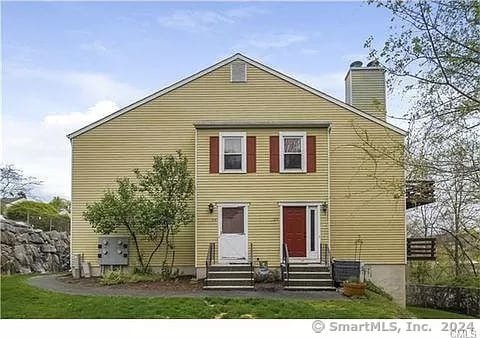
(67, 64)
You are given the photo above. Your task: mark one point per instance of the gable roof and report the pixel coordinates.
(222, 63)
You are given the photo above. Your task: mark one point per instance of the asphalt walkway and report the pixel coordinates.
(56, 284)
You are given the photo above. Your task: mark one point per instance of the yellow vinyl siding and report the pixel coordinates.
(165, 124)
(262, 190)
(368, 90)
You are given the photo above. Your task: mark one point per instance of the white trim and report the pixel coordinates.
(196, 196)
(306, 204)
(237, 56)
(301, 134)
(71, 204)
(262, 124)
(300, 203)
(317, 235)
(222, 169)
(329, 214)
(245, 225)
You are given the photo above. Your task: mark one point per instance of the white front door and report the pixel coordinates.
(233, 236)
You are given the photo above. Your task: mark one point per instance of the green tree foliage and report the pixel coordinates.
(433, 53)
(39, 214)
(153, 206)
(60, 204)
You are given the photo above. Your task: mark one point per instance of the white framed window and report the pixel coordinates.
(233, 149)
(233, 218)
(293, 153)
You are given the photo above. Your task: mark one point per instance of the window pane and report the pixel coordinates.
(233, 162)
(292, 161)
(292, 144)
(233, 145)
(232, 220)
(312, 229)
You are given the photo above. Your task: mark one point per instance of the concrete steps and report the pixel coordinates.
(308, 276)
(229, 277)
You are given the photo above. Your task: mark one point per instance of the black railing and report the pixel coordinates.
(251, 264)
(325, 256)
(285, 265)
(211, 259)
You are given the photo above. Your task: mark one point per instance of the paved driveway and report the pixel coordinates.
(56, 284)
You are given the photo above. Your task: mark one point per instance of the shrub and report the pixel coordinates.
(39, 214)
(119, 277)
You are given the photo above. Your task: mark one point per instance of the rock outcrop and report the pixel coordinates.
(27, 250)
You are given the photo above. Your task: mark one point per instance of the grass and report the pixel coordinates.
(20, 300)
(427, 313)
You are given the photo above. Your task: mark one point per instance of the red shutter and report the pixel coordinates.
(311, 154)
(274, 154)
(214, 154)
(251, 154)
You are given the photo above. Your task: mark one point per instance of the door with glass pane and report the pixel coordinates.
(233, 237)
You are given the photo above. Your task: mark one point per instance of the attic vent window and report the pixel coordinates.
(238, 72)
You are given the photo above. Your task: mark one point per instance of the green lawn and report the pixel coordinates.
(20, 300)
(426, 313)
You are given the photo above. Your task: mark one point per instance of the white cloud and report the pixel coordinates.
(200, 20)
(310, 51)
(96, 47)
(41, 148)
(330, 83)
(268, 41)
(92, 86)
(77, 119)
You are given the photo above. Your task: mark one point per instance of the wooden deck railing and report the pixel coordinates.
(419, 192)
(421, 249)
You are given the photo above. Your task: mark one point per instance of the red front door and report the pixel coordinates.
(294, 230)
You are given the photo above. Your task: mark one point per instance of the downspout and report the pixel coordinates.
(328, 188)
(195, 208)
(71, 203)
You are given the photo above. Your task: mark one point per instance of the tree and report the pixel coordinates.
(39, 214)
(14, 183)
(433, 53)
(152, 207)
(60, 204)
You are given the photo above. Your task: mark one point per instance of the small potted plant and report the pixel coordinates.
(353, 287)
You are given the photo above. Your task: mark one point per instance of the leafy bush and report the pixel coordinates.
(39, 214)
(118, 277)
(272, 275)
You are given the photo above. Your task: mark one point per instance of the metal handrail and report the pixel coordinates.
(325, 254)
(286, 263)
(210, 257)
(251, 263)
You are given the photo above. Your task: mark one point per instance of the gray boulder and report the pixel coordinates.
(27, 250)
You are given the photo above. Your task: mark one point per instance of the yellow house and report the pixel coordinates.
(284, 174)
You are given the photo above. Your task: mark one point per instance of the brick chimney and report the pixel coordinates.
(365, 88)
